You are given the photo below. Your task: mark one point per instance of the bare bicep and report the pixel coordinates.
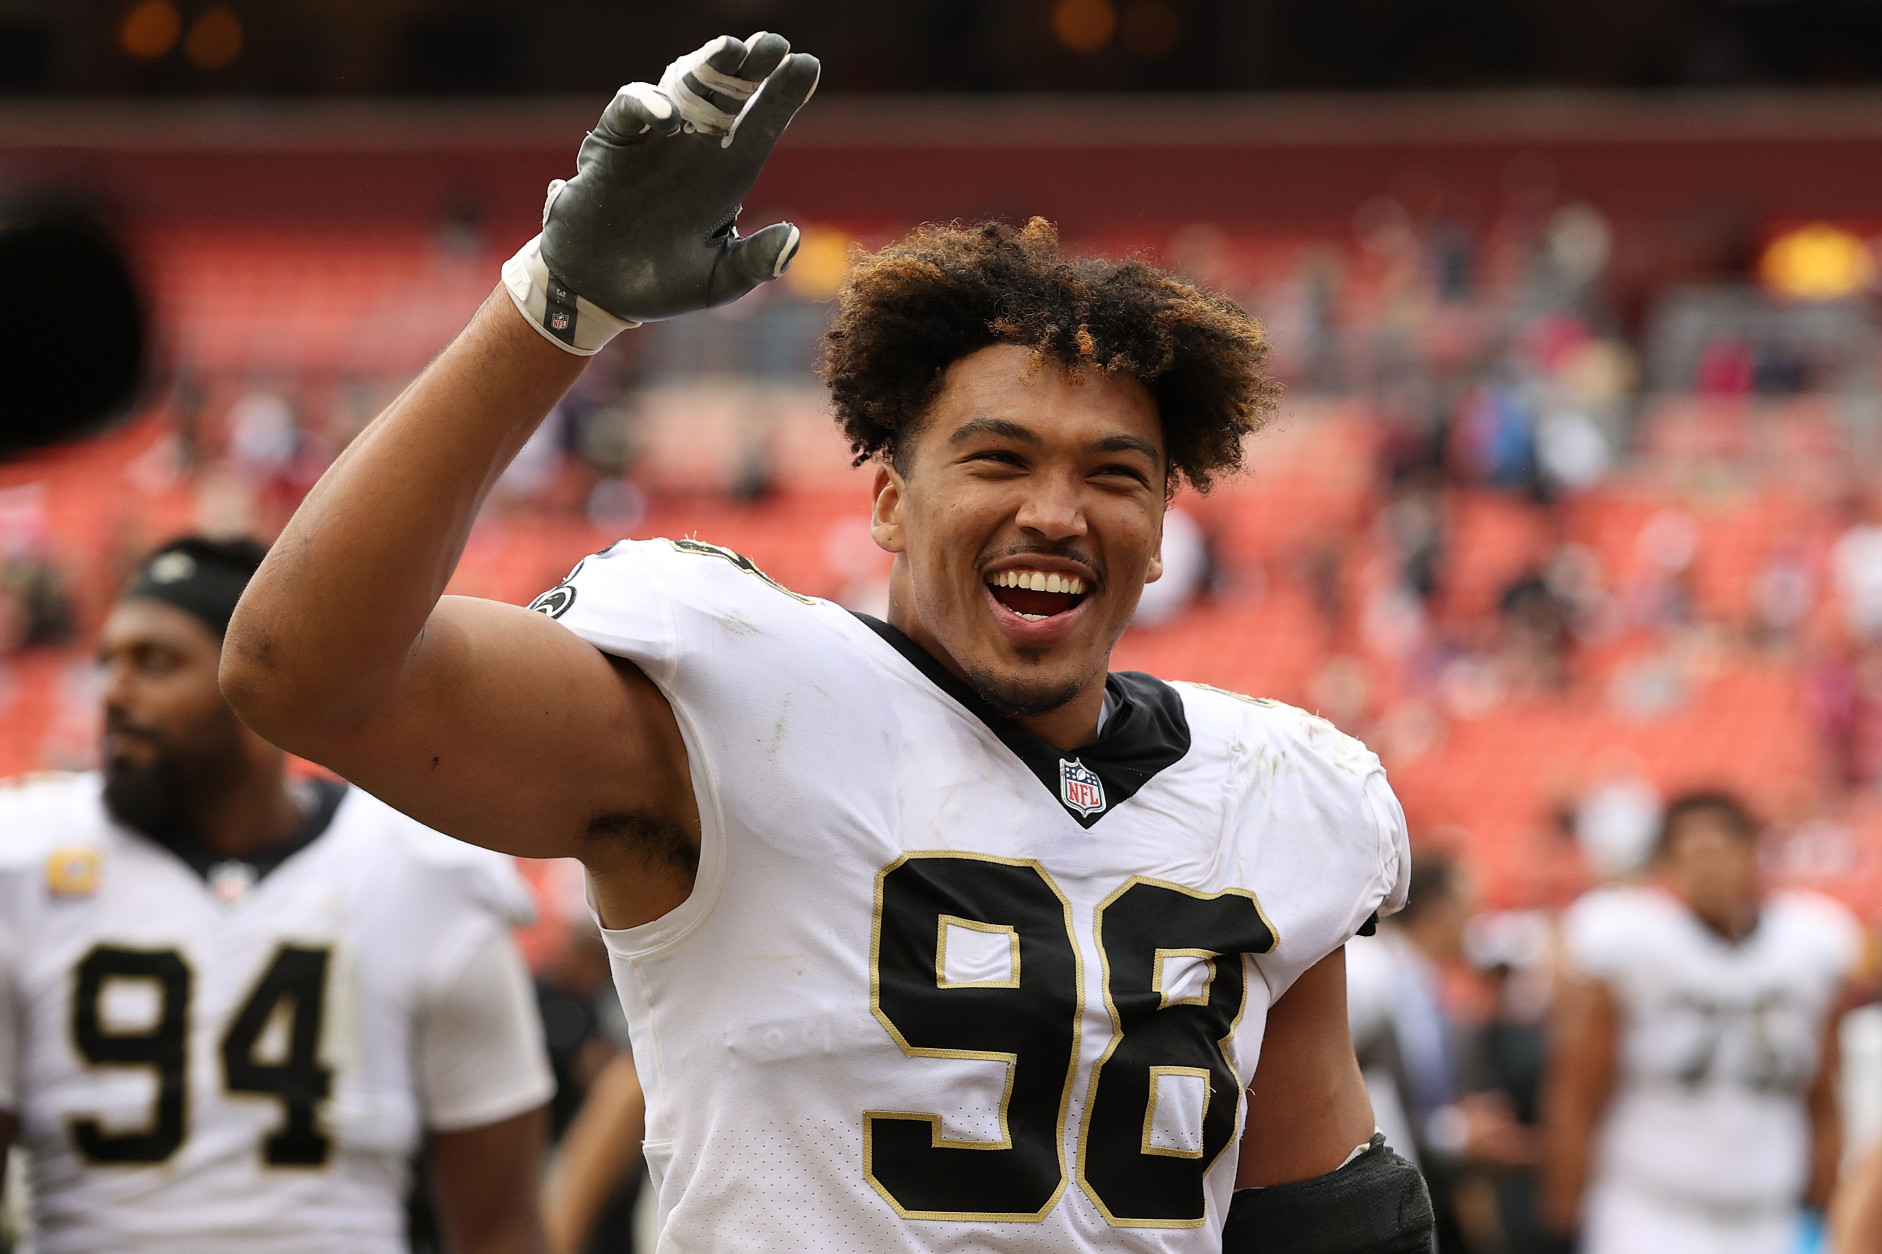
(509, 731)
(1307, 1106)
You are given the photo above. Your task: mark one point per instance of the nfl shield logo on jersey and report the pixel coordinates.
(1080, 788)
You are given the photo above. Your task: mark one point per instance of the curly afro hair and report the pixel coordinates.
(909, 311)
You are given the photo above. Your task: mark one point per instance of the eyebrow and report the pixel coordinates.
(1014, 431)
(992, 426)
(1129, 444)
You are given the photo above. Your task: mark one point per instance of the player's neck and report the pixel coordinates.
(1733, 921)
(245, 813)
(1069, 726)
(1072, 725)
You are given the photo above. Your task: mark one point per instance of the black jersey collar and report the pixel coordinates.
(1147, 731)
(328, 793)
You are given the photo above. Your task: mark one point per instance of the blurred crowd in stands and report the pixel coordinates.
(1556, 531)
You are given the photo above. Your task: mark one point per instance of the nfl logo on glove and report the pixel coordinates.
(1080, 788)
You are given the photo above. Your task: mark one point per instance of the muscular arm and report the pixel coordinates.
(1826, 1118)
(1575, 1093)
(601, 1145)
(485, 1181)
(480, 719)
(1856, 1215)
(483, 720)
(1307, 1107)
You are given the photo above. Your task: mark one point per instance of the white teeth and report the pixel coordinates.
(1038, 581)
(1032, 618)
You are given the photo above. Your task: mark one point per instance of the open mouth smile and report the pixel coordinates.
(1036, 595)
(1035, 606)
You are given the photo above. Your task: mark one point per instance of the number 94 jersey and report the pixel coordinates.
(940, 986)
(200, 1066)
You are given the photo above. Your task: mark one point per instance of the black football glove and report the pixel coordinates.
(644, 231)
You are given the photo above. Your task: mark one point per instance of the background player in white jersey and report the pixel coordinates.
(232, 1004)
(931, 933)
(1692, 1101)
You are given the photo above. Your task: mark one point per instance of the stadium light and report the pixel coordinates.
(150, 29)
(1084, 25)
(1817, 262)
(215, 39)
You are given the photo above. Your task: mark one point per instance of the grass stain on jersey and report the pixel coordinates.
(777, 732)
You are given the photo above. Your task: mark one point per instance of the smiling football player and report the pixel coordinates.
(933, 933)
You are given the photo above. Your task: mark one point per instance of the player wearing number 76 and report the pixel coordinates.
(232, 1005)
(932, 933)
(1691, 1106)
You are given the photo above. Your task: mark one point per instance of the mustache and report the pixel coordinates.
(118, 723)
(1069, 551)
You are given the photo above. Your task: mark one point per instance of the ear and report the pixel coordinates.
(1154, 571)
(885, 518)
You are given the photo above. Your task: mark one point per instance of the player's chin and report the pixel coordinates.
(1026, 690)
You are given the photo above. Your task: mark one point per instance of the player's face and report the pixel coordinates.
(1714, 867)
(1026, 524)
(166, 725)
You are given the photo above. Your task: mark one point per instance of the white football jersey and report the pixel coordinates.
(940, 986)
(207, 1064)
(1718, 1041)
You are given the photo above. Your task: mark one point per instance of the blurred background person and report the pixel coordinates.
(1421, 1062)
(593, 1181)
(1692, 1095)
(595, 1119)
(234, 1002)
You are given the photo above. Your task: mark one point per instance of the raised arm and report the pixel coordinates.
(342, 651)
(480, 719)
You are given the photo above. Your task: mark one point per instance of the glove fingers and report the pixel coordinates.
(709, 85)
(724, 54)
(764, 52)
(778, 101)
(638, 109)
(756, 259)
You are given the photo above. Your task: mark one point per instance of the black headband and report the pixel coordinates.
(208, 589)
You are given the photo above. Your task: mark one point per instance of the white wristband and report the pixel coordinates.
(572, 323)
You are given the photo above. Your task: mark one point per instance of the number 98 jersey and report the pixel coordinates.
(940, 986)
(213, 1063)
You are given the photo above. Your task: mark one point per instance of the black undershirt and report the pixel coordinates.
(328, 793)
(1145, 733)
